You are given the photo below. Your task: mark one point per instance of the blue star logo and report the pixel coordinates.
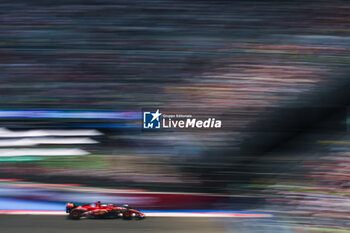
(151, 120)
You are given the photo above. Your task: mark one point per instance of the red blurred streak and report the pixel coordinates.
(47, 185)
(10, 180)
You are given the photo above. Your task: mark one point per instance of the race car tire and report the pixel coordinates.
(127, 215)
(69, 207)
(75, 214)
(112, 214)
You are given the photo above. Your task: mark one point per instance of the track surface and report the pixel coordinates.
(53, 224)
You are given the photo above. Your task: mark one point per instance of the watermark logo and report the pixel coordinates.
(152, 120)
(164, 120)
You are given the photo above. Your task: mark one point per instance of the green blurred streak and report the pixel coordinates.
(21, 159)
(89, 161)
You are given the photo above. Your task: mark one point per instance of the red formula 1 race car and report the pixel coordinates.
(99, 210)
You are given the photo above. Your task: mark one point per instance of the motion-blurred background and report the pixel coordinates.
(74, 76)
